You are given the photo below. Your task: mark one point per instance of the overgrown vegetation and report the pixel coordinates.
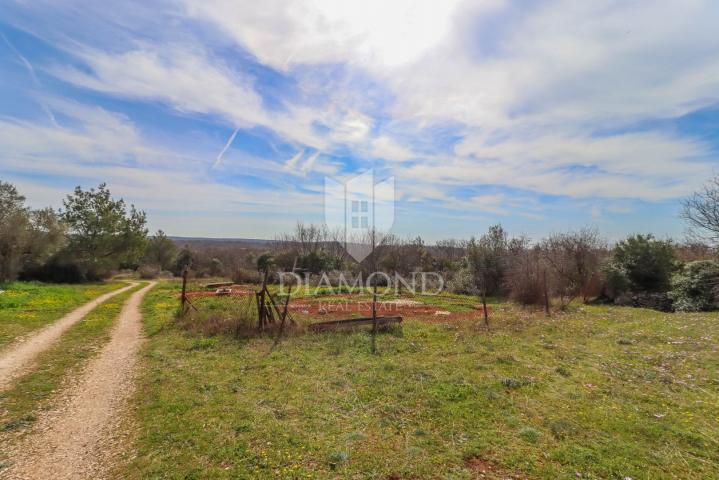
(598, 391)
(95, 235)
(92, 236)
(28, 238)
(232, 316)
(696, 287)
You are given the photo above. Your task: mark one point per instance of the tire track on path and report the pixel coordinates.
(18, 358)
(80, 437)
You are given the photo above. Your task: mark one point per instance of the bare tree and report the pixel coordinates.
(525, 276)
(448, 251)
(701, 211)
(574, 259)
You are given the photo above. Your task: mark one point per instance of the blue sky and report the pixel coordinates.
(223, 118)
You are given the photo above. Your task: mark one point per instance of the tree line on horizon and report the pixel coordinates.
(94, 236)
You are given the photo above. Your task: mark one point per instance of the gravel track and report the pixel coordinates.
(17, 359)
(81, 438)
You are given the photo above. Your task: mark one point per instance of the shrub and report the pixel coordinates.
(525, 275)
(56, 270)
(616, 281)
(147, 272)
(529, 434)
(696, 287)
(462, 282)
(245, 275)
(573, 258)
(654, 300)
(646, 262)
(487, 260)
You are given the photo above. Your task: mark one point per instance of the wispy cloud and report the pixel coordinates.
(25, 61)
(469, 105)
(224, 149)
(31, 71)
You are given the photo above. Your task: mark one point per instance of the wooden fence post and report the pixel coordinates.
(183, 297)
(546, 294)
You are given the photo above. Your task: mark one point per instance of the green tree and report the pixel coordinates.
(46, 239)
(265, 262)
(216, 267)
(103, 234)
(184, 260)
(28, 238)
(160, 251)
(14, 231)
(647, 263)
(486, 258)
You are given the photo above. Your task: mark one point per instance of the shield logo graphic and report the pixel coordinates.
(357, 208)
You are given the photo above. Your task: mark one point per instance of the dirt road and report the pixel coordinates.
(17, 359)
(79, 438)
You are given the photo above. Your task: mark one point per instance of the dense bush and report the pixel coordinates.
(654, 300)
(160, 251)
(641, 263)
(148, 272)
(462, 282)
(573, 261)
(28, 238)
(487, 260)
(616, 281)
(525, 278)
(58, 269)
(246, 275)
(696, 287)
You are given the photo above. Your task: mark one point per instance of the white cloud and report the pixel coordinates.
(373, 33)
(387, 148)
(309, 163)
(564, 61)
(95, 145)
(191, 81)
(668, 165)
(529, 85)
(95, 136)
(185, 79)
(292, 162)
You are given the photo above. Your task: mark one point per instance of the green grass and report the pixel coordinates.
(25, 307)
(605, 392)
(20, 405)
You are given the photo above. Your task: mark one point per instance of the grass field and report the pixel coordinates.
(25, 307)
(598, 392)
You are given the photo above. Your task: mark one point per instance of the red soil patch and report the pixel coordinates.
(346, 304)
(486, 469)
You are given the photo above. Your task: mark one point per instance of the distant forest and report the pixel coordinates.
(94, 236)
